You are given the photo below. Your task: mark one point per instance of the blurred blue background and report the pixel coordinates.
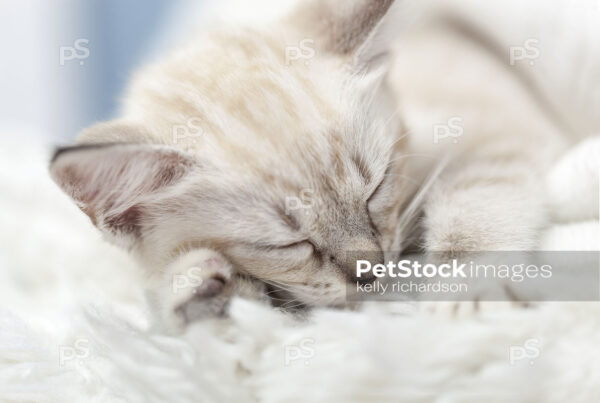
(66, 62)
(120, 33)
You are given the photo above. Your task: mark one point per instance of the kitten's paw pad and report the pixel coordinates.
(200, 287)
(210, 288)
(209, 300)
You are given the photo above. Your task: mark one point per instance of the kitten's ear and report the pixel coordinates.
(116, 184)
(341, 26)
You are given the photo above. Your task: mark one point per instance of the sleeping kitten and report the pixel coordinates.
(268, 154)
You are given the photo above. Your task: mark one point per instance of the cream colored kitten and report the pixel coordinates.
(268, 154)
(264, 128)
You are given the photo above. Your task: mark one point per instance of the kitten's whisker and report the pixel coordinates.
(415, 231)
(392, 116)
(410, 156)
(397, 174)
(399, 139)
(278, 286)
(270, 293)
(289, 283)
(414, 207)
(299, 304)
(279, 299)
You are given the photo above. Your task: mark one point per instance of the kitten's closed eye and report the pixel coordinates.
(296, 250)
(301, 244)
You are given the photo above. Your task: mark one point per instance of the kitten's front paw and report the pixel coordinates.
(200, 287)
(207, 300)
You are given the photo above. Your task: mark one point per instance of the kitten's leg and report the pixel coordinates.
(483, 206)
(491, 201)
(199, 285)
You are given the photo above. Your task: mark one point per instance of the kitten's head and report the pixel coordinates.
(272, 147)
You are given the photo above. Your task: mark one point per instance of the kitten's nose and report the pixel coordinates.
(367, 250)
(373, 257)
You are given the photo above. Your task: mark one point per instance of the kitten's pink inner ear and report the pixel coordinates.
(110, 182)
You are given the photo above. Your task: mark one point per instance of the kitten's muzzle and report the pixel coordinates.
(369, 251)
